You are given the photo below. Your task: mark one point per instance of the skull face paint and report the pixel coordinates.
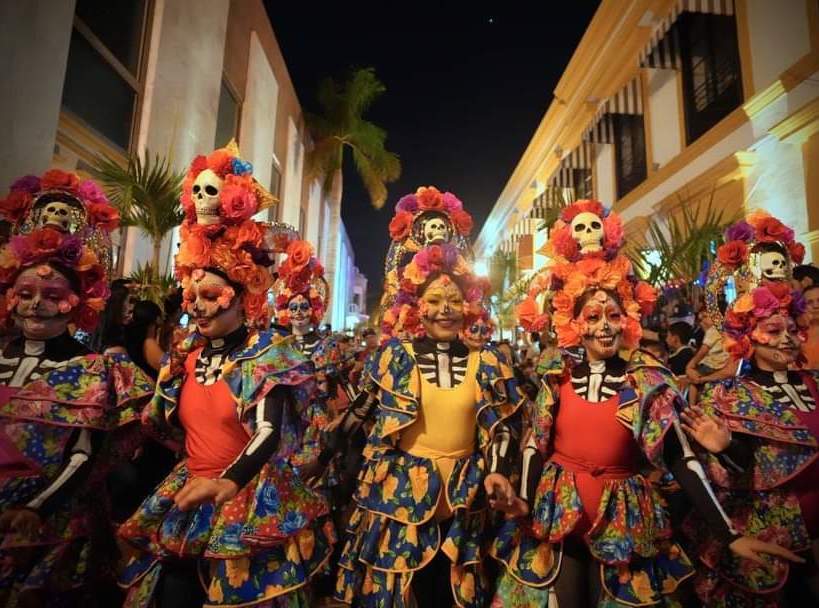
(436, 231)
(773, 265)
(476, 335)
(442, 309)
(42, 299)
(205, 194)
(587, 230)
(601, 322)
(213, 305)
(776, 343)
(299, 310)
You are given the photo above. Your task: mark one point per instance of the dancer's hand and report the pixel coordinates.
(751, 548)
(311, 471)
(500, 492)
(711, 432)
(201, 490)
(693, 376)
(23, 522)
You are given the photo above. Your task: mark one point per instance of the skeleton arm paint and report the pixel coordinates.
(265, 440)
(353, 418)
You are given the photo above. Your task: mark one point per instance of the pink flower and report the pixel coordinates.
(421, 260)
(765, 303)
(90, 191)
(452, 202)
(613, 230)
(407, 203)
(237, 202)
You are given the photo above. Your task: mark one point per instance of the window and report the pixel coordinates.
(712, 82)
(582, 180)
(630, 152)
(227, 117)
(102, 78)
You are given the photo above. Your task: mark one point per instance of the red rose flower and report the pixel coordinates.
(429, 198)
(733, 253)
(771, 229)
(15, 206)
(435, 255)
(238, 203)
(45, 241)
(199, 164)
(219, 161)
(462, 221)
(797, 252)
(400, 225)
(86, 318)
(58, 179)
(562, 242)
(103, 216)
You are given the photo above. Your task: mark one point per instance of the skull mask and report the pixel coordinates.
(587, 230)
(773, 265)
(436, 230)
(205, 195)
(57, 215)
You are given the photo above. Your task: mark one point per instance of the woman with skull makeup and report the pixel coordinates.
(588, 526)
(65, 414)
(233, 524)
(757, 433)
(438, 453)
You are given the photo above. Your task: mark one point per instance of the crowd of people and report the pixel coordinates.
(222, 447)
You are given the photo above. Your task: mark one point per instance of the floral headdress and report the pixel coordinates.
(554, 292)
(236, 246)
(402, 318)
(562, 244)
(301, 274)
(414, 213)
(62, 220)
(239, 195)
(751, 244)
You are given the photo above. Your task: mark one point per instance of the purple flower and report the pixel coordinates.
(798, 304)
(70, 251)
(452, 202)
(404, 298)
(473, 294)
(450, 254)
(407, 203)
(741, 231)
(28, 183)
(90, 191)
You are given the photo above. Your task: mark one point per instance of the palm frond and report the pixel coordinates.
(150, 285)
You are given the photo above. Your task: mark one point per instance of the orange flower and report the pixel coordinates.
(219, 161)
(103, 216)
(246, 232)
(414, 274)
(257, 280)
(743, 304)
(254, 305)
(733, 253)
(527, 311)
(429, 197)
(771, 230)
(299, 254)
(796, 252)
(646, 295)
(589, 266)
(59, 179)
(568, 335)
(632, 332)
(462, 221)
(755, 218)
(194, 251)
(401, 225)
(575, 285)
(563, 302)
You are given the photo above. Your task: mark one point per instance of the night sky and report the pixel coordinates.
(467, 85)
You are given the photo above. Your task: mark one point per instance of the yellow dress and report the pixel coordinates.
(444, 430)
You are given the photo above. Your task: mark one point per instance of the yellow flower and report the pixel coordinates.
(215, 594)
(468, 587)
(384, 545)
(642, 586)
(744, 303)
(384, 362)
(414, 274)
(669, 585)
(367, 585)
(293, 554)
(391, 424)
(542, 561)
(381, 471)
(400, 563)
(419, 480)
(390, 486)
(364, 490)
(238, 571)
(307, 542)
(412, 535)
(401, 513)
(271, 590)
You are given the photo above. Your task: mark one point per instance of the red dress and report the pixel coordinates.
(806, 484)
(591, 443)
(214, 437)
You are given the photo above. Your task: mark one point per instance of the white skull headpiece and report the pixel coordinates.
(205, 194)
(587, 230)
(60, 212)
(436, 231)
(773, 265)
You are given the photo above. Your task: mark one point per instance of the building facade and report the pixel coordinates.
(170, 77)
(668, 104)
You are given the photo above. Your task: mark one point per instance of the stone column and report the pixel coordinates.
(34, 40)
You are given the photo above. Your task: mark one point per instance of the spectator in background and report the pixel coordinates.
(678, 340)
(810, 349)
(370, 344)
(710, 360)
(653, 344)
(804, 276)
(532, 351)
(141, 337)
(172, 308)
(110, 334)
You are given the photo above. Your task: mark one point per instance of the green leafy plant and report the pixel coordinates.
(341, 130)
(150, 285)
(147, 195)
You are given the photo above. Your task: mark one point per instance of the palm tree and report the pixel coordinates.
(146, 193)
(339, 128)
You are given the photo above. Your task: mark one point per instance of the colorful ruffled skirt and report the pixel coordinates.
(630, 537)
(393, 532)
(261, 546)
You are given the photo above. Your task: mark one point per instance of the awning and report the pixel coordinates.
(628, 100)
(580, 158)
(663, 49)
(550, 198)
(525, 226)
